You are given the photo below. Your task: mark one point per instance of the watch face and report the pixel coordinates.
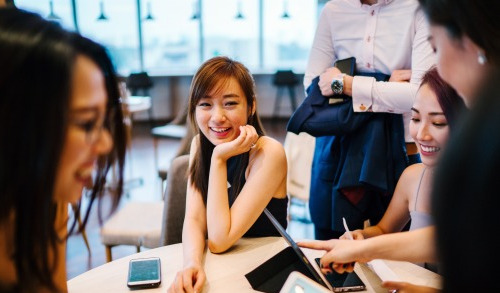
(337, 87)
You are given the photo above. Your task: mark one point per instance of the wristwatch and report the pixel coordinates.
(338, 84)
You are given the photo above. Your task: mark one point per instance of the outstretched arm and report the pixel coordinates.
(413, 246)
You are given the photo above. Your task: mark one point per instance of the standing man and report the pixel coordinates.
(386, 37)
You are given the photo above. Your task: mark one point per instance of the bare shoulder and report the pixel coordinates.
(412, 173)
(270, 146)
(268, 150)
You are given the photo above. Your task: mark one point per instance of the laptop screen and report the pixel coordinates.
(297, 250)
(335, 282)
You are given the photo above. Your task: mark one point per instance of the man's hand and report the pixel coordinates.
(325, 80)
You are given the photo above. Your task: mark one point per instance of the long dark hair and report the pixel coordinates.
(465, 199)
(449, 100)
(478, 20)
(37, 59)
(206, 79)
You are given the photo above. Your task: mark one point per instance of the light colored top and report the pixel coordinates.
(419, 219)
(383, 37)
(226, 271)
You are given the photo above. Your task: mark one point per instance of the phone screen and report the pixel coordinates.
(144, 272)
(345, 280)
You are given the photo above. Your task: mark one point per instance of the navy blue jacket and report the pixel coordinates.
(352, 150)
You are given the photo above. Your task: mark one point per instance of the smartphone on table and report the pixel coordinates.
(345, 282)
(144, 273)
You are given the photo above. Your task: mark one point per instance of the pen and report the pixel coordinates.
(349, 235)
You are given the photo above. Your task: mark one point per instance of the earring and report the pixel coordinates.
(481, 59)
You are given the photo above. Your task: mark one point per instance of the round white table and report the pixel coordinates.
(226, 272)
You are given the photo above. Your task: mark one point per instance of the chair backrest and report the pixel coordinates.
(299, 151)
(139, 81)
(175, 201)
(285, 77)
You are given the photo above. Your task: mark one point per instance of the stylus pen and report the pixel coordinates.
(349, 235)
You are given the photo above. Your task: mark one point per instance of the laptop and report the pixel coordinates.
(334, 282)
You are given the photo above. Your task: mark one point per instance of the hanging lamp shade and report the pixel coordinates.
(196, 11)
(239, 13)
(285, 10)
(102, 16)
(149, 15)
(52, 15)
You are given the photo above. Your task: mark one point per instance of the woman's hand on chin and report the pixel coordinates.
(243, 143)
(190, 279)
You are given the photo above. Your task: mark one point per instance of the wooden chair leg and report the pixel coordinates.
(84, 235)
(108, 253)
(155, 146)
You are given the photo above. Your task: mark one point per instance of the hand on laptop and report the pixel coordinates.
(342, 253)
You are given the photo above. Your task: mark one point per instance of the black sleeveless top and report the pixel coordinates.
(277, 206)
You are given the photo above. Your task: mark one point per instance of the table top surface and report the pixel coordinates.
(226, 272)
(137, 103)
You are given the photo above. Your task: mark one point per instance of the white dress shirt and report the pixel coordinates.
(389, 35)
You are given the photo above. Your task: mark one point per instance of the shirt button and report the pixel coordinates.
(362, 107)
(368, 65)
(373, 12)
(368, 39)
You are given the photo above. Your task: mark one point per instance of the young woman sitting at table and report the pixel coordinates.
(434, 116)
(235, 171)
(61, 131)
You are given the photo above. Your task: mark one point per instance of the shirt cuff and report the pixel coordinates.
(362, 93)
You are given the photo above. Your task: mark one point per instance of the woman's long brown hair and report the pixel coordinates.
(214, 72)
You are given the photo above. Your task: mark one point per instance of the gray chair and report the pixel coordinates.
(285, 79)
(175, 201)
(183, 149)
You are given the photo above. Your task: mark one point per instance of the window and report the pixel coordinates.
(231, 28)
(171, 37)
(116, 29)
(60, 11)
(289, 32)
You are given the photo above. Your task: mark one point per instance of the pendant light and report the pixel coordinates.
(52, 15)
(149, 15)
(285, 14)
(102, 16)
(239, 14)
(196, 11)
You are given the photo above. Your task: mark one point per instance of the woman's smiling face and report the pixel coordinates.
(86, 138)
(220, 114)
(428, 127)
